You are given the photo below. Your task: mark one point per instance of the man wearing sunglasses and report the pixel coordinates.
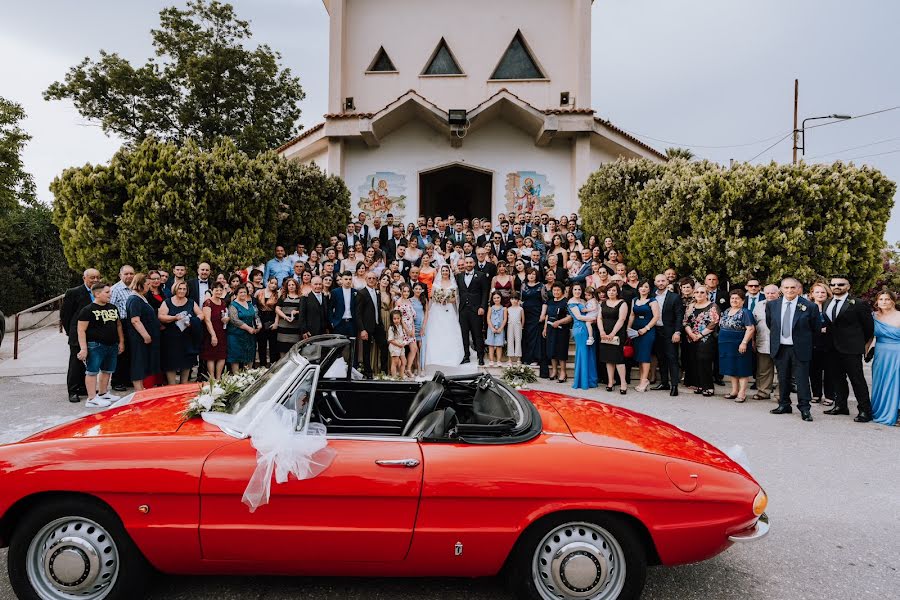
(849, 325)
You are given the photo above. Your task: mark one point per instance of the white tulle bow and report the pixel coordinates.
(282, 451)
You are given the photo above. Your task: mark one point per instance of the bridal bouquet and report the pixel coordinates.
(519, 376)
(219, 395)
(444, 296)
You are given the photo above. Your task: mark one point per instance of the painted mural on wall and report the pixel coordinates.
(383, 192)
(528, 191)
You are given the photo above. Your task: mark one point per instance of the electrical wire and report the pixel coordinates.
(686, 145)
(853, 118)
(853, 148)
(789, 134)
(871, 155)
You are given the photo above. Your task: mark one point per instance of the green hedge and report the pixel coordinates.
(769, 221)
(159, 204)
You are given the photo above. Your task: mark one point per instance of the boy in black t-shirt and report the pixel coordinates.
(100, 341)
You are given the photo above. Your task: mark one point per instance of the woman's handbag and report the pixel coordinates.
(628, 350)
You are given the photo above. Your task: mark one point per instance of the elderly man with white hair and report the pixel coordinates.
(765, 366)
(74, 300)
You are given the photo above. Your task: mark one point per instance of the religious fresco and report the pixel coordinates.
(528, 191)
(383, 192)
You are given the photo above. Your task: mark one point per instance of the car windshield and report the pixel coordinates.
(271, 381)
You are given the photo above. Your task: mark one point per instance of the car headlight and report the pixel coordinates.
(760, 503)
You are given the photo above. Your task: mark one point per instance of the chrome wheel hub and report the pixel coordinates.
(72, 557)
(579, 560)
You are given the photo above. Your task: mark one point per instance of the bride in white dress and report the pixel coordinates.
(443, 338)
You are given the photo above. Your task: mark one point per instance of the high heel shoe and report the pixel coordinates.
(623, 391)
(609, 388)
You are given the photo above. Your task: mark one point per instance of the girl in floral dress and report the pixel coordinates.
(408, 320)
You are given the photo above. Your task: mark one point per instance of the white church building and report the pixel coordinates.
(471, 107)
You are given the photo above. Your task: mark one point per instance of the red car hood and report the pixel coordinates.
(599, 424)
(151, 411)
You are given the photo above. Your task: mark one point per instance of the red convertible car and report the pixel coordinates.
(457, 476)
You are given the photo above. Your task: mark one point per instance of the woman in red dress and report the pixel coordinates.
(215, 347)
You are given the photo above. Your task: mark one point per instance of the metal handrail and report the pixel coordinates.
(28, 310)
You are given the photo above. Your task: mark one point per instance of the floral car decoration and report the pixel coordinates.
(218, 395)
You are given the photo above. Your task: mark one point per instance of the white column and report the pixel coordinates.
(337, 27)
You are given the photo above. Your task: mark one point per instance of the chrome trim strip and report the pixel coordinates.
(758, 531)
(370, 438)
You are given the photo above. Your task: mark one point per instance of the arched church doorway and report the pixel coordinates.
(462, 191)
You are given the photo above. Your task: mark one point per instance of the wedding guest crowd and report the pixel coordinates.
(528, 289)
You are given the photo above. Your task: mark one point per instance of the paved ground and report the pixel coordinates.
(834, 488)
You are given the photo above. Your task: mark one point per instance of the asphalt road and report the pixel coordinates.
(834, 489)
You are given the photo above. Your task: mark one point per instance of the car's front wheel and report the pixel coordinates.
(74, 548)
(597, 558)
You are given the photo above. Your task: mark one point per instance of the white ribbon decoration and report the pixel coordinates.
(282, 451)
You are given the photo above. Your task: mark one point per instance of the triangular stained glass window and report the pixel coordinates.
(442, 62)
(382, 62)
(517, 62)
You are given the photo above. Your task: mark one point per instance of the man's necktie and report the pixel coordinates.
(786, 322)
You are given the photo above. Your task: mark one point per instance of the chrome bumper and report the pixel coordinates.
(756, 532)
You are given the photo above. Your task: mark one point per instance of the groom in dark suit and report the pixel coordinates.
(792, 320)
(473, 300)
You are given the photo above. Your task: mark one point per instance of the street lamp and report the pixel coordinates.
(802, 131)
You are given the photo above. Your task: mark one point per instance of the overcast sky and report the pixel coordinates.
(715, 76)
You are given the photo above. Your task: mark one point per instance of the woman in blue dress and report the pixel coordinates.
(886, 367)
(419, 301)
(585, 355)
(241, 331)
(644, 315)
(736, 330)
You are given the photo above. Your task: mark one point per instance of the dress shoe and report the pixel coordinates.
(753, 386)
(863, 417)
(673, 391)
(782, 410)
(480, 362)
(119, 388)
(464, 361)
(719, 382)
(837, 411)
(659, 386)
(74, 398)
(804, 414)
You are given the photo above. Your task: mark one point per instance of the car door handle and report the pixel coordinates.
(409, 463)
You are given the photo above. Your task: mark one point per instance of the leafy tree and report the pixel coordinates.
(312, 204)
(33, 267)
(685, 153)
(159, 204)
(769, 221)
(203, 84)
(16, 185)
(609, 197)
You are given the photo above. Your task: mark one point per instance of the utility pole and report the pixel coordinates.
(796, 130)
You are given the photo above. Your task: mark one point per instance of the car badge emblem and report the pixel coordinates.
(457, 549)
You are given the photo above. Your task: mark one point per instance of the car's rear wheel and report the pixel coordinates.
(599, 557)
(74, 548)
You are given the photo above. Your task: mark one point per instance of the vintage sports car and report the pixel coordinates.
(457, 476)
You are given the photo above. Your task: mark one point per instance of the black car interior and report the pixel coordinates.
(474, 408)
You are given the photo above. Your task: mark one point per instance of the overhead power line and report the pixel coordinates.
(853, 118)
(786, 136)
(871, 155)
(687, 145)
(853, 148)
